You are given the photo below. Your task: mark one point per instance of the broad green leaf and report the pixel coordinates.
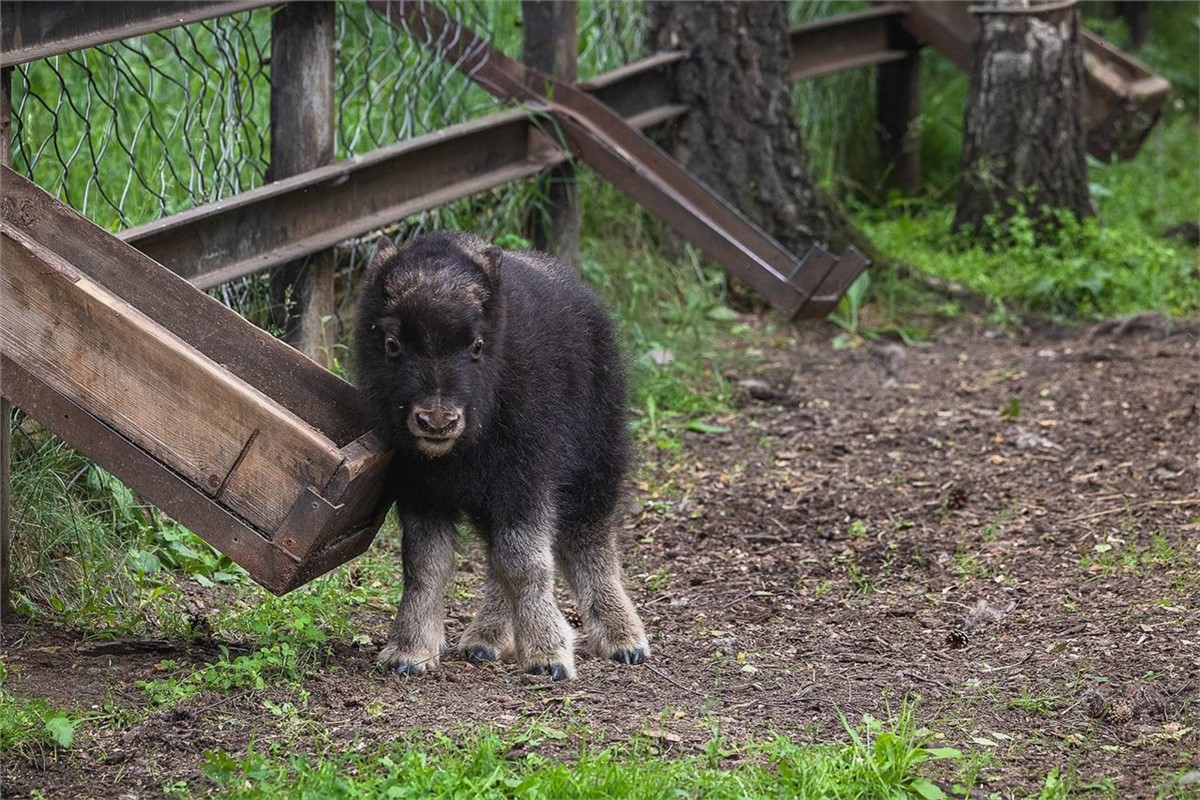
(927, 789)
(61, 730)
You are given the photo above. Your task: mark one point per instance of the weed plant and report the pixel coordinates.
(31, 729)
(878, 761)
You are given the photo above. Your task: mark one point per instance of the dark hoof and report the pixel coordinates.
(635, 655)
(480, 654)
(409, 669)
(557, 672)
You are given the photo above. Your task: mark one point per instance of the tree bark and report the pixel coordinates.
(1137, 17)
(740, 136)
(1024, 141)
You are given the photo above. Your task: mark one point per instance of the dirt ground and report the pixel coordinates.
(870, 527)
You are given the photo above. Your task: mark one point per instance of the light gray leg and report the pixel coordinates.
(522, 561)
(418, 633)
(611, 625)
(489, 637)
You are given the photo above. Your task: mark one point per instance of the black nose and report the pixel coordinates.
(436, 420)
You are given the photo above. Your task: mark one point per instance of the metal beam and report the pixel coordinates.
(291, 218)
(619, 152)
(33, 30)
(825, 46)
(317, 209)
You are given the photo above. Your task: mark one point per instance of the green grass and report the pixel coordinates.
(1117, 263)
(877, 761)
(31, 729)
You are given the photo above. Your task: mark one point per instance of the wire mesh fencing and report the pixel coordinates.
(133, 131)
(142, 128)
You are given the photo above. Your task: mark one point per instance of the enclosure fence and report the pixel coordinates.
(142, 128)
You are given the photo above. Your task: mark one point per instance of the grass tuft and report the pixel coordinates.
(878, 761)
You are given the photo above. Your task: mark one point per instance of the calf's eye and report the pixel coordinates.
(391, 347)
(477, 349)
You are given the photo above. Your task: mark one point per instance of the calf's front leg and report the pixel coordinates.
(417, 636)
(521, 560)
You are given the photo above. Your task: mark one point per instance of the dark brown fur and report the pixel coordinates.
(497, 378)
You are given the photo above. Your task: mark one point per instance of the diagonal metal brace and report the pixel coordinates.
(630, 161)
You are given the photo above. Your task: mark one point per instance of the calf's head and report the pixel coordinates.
(425, 340)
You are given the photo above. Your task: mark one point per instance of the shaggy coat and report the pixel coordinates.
(497, 378)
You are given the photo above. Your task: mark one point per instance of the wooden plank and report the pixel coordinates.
(364, 500)
(39, 29)
(218, 432)
(302, 124)
(324, 401)
(5, 408)
(266, 563)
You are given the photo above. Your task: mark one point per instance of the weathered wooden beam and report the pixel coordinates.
(133, 373)
(32, 29)
(326, 401)
(5, 408)
(303, 109)
(550, 45)
(224, 427)
(152, 480)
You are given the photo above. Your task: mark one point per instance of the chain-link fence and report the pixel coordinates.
(140, 129)
(136, 130)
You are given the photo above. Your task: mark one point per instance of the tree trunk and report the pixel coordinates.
(1024, 141)
(740, 136)
(1137, 17)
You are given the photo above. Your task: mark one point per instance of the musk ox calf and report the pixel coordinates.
(496, 377)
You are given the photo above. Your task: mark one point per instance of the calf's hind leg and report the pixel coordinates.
(611, 625)
(418, 634)
(490, 634)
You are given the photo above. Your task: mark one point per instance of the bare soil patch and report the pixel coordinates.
(871, 527)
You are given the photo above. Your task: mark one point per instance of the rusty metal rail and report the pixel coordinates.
(847, 41)
(634, 164)
(30, 30)
(317, 209)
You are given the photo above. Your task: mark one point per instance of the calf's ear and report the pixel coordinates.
(385, 252)
(489, 261)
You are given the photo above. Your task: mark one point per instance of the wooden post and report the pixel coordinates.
(897, 106)
(302, 120)
(5, 408)
(550, 46)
